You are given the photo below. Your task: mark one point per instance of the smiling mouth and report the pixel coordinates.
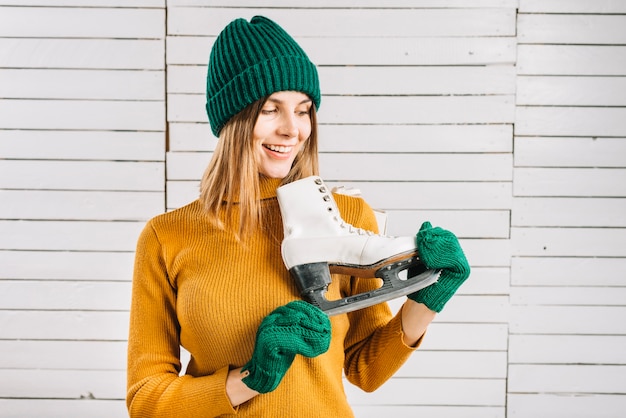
(277, 148)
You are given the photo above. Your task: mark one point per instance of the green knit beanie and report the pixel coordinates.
(251, 60)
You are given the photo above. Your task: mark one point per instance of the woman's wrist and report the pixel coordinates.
(236, 390)
(416, 317)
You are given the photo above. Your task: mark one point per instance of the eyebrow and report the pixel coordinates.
(271, 99)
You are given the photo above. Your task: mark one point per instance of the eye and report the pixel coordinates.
(269, 111)
(303, 112)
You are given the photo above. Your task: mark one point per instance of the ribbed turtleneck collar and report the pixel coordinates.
(268, 187)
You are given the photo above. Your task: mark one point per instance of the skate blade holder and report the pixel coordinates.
(313, 280)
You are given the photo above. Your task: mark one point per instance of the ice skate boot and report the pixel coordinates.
(319, 242)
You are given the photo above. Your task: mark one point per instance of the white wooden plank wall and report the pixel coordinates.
(417, 112)
(82, 167)
(507, 128)
(567, 346)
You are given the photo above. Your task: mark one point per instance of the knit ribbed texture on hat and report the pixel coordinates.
(251, 60)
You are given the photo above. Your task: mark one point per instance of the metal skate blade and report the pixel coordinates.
(392, 288)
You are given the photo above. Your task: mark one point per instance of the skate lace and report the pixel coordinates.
(342, 224)
(351, 228)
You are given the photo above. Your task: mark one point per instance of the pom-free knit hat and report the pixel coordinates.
(251, 60)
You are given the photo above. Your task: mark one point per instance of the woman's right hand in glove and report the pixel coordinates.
(295, 328)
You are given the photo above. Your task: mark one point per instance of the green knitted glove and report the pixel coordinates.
(440, 249)
(295, 328)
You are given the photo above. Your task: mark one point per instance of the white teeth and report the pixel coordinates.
(277, 148)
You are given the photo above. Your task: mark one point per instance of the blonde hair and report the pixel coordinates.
(233, 174)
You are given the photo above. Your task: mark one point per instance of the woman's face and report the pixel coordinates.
(281, 129)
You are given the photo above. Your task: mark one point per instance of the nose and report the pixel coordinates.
(288, 126)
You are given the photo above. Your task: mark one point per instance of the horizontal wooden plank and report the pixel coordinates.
(568, 320)
(179, 193)
(566, 379)
(568, 296)
(416, 167)
(331, 4)
(568, 242)
(476, 309)
(570, 91)
(442, 411)
(139, 23)
(82, 145)
(455, 364)
(191, 137)
(366, 22)
(571, 6)
(83, 114)
(80, 205)
(567, 349)
(81, 3)
(64, 384)
(415, 391)
(418, 110)
(493, 138)
(68, 355)
(571, 121)
(338, 80)
(487, 252)
(573, 405)
(573, 212)
(82, 84)
(570, 182)
(571, 60)
(82, 175)
(69, 235)
(497, 79)
(405, 196)
(62, 408)
(186, 165)
(466, 224)
(567, 271)
(188, 50)
(66, 265)
(466, 337)
(487, 281)
(64, 295)
(569, 152)
(367, 109)
(580, 29)
(186, 79)
(64, 325)
(121, 54)
(373, 138)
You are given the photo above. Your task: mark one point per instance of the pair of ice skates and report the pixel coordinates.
(319, 242)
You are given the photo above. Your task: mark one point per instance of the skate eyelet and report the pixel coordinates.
(322, 189)
(326, 198)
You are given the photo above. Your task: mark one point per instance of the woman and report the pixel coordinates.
(209, 276)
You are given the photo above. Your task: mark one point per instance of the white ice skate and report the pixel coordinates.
(319, 242)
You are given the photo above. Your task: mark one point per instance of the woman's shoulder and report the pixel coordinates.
(190, 212)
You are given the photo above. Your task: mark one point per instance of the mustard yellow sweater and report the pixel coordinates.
(195, 286)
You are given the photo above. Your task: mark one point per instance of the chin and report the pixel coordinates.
(275, 174)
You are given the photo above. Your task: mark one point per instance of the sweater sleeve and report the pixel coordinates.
(374, 346)
(154, 386)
